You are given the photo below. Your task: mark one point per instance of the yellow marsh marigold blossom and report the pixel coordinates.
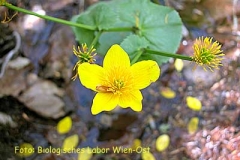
(84, 55)
(118, 83)
(207, 54)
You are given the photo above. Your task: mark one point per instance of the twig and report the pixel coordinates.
(10, 53)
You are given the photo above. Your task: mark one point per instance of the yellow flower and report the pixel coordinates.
(118, 83)
(207, 54)
(84, 55)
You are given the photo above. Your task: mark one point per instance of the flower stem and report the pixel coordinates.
(169, 54)
(69, 23)
(95, 40)
(139, 53)
(120, 29)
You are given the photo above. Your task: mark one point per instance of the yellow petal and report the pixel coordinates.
(70, 142)
(91, 75)
(24, 150)
(162, 142)
(136, 143)
(133, 99)
(147, 156)
(86, 154)
(193, 103)
(64, 125)
(168, 93)
(115, 58)
(193, 125)
(144, 73)
(178, 65)
(104, 102)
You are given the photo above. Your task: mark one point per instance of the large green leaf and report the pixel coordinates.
(134, 43)
(161, 26)
(82, 35)
(157, 26)
(107, 39)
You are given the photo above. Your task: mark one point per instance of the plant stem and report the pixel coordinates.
(95, 40)
(121, 29)
(139, 53)
(69, 23)
(169, 55)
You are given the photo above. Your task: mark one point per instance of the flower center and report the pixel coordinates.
(206, 56)
(118, 84)
(114, 87)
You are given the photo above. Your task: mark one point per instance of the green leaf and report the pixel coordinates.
(133, 43)
(82, 35)
(159, 25)
(107, 39)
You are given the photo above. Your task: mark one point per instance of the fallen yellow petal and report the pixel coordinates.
(193, 125)
(64, 125)
(26, 150)
(178, 64)
(162, 142)
(193, 103)
(70, 142)
(168, 93)
(147, 156)
(86, 154)
(136, 143)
